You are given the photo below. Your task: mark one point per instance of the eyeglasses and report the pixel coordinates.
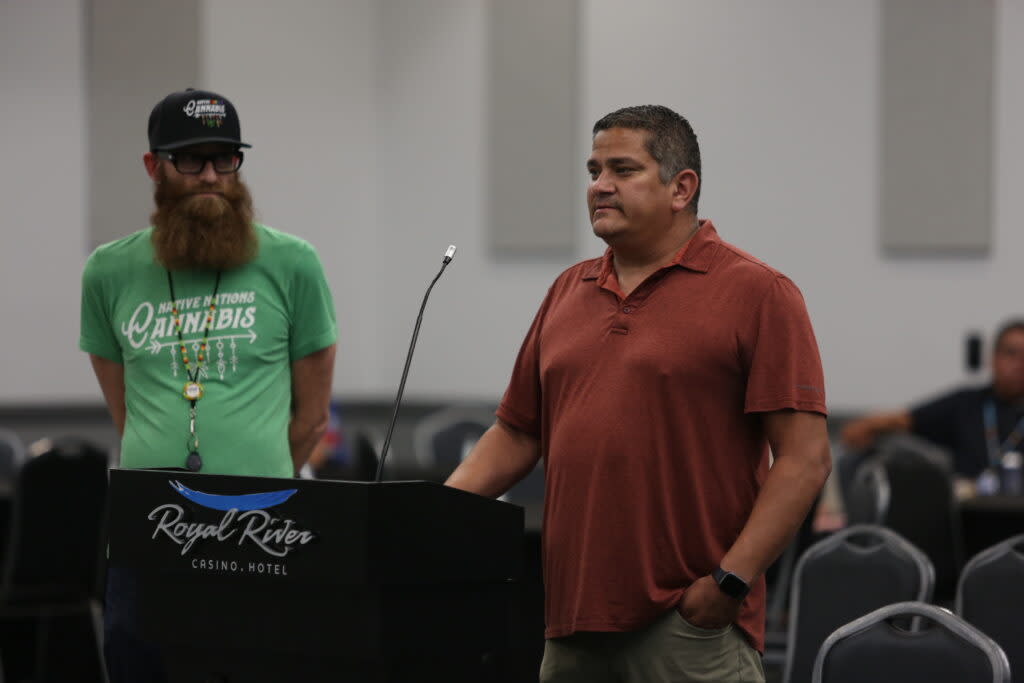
(193, 164)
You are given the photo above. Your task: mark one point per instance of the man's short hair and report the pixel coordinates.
(1005, 329)
(670, 139)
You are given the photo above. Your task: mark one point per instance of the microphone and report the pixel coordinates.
(449, 254)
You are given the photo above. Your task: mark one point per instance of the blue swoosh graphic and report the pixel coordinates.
(249, 501)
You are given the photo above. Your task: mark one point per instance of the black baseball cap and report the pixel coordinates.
(193, 117)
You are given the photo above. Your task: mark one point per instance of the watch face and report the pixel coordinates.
(733, 585)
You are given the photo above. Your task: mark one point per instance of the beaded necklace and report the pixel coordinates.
(193, 390)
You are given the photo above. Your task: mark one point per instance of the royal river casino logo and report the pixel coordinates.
(245, 521)
(211, 113)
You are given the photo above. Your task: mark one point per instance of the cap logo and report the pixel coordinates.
(211, 113)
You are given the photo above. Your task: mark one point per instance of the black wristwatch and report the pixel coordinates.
(730, 584)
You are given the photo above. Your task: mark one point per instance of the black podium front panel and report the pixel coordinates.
(267, 579)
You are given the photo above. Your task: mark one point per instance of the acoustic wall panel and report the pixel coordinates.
(936, 125)
(137, 52)
(534, 169)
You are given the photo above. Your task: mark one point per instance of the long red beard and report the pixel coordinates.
(191, 231)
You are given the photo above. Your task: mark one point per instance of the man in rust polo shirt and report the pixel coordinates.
(652, 382)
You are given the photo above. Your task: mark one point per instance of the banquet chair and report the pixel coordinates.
(51, 590)
(939, 648)
(843, 577)
(990, 596)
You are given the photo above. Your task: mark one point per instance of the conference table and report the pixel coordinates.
(987, 520)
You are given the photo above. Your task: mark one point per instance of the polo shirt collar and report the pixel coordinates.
(695, 255)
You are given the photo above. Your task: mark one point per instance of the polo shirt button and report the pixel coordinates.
(627, 309)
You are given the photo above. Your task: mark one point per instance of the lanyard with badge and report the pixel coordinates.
(995, 450)
(193, 390)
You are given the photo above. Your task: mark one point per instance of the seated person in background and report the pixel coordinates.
(977, 425)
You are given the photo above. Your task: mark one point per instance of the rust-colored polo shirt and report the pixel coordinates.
(646, 409)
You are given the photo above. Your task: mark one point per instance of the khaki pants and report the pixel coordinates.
(668, 651)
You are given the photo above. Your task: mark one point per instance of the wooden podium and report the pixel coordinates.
(225, 579)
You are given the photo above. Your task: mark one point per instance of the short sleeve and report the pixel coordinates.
(96, 331)
(313, 325)
(520, 407)
(784, 364)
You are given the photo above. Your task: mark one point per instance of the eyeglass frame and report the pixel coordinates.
(205, 158)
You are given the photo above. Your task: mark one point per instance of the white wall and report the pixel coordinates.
(431, 173)
(42, 200)
(367, 120)
(301, 76)
(784, 97)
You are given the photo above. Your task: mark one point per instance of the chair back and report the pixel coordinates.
(844, 577)
(12, 456)
(57, 521)
(876, 648)
(867, 498)
(443, 438)
(908, 487)
(990, 596)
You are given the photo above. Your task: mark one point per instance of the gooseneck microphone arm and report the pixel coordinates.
(449, 254)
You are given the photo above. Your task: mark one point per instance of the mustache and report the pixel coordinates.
(168, 193)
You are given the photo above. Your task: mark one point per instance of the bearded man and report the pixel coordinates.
(212, 336)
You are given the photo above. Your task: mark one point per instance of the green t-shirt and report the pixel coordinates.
(269, 313)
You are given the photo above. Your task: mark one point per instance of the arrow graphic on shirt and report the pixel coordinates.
(155, 346)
